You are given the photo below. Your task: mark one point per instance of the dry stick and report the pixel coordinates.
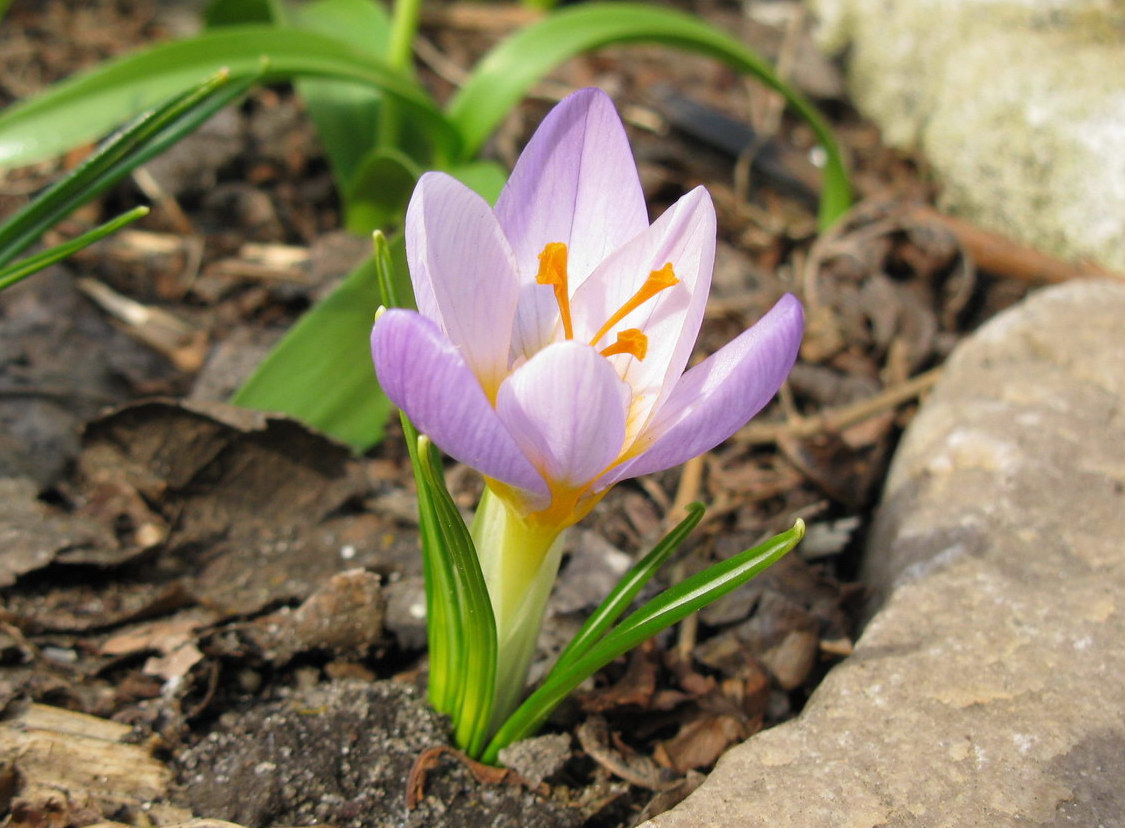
(1004, 257)
(691, 479)
(151, 188)
(835, 420)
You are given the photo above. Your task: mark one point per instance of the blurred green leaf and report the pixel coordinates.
(346, 115)
(378, 192)
(506, 74)
(146, 137)
(33, 264)
(321, 371)
(486, 178)
(84, 107)
(233, 12)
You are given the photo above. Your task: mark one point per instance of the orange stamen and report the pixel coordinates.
(552, 271)
(630, 341)
(657, 281)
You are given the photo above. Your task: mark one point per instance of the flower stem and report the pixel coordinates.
(519, 560)
(400, 52)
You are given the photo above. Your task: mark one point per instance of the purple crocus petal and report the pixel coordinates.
(575, 183)
(425, 376)
(717, 397)
(684, 237)
(463, 272)
(566, 408)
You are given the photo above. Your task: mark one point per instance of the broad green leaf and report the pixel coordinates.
(346, 115)
(321, 371)
(485, 178)
(146, 137)
(33, 264)
(81, 108)
(379, 190)
(506, 74)
(669, 607)
(233, 12)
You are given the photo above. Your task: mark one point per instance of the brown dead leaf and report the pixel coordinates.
(33, 534)
(699, 743)
(635, 687)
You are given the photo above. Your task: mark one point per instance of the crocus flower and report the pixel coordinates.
(552, 333)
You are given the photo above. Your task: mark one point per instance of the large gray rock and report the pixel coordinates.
(1018, 104)
(989, 686)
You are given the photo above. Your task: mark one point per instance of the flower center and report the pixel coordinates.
(553, 272)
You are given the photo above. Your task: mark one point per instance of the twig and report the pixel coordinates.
(485, 774)
(835, 420)
(1001, 255)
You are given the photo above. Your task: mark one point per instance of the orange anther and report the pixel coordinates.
(629, 341)
(657, 281)
(552, 271)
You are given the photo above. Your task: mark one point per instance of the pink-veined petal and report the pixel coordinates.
(717, 397)
(425, 376)
(463, 272)
(566, 409)
(684, 237)
(575, 183)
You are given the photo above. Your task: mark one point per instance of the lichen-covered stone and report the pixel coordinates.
(1018, 104)
(987, 687)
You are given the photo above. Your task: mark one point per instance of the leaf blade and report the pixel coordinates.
(671, 606)
(505, 75)
(83, 107)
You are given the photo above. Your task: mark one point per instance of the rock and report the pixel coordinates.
(1018, 105)
(537, 758)
(986, 688)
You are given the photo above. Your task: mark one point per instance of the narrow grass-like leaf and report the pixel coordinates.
(626, 590)
(459, 618)
(81, 108)
(442, 632)
(673, 605)
(446, 646)
(32, 264)
(506, 74)
(477, 626)
(146, 137)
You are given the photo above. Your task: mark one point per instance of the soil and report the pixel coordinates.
(240, 595)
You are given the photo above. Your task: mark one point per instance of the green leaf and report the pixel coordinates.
(379, 190)
(346, 115)
(233, 12)
(32, 264)
(86, 106)
(476, 680)
(506, 74)
(321, 371)
(146, 137)
(626, 590)
(669, 607)
(486, 178)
